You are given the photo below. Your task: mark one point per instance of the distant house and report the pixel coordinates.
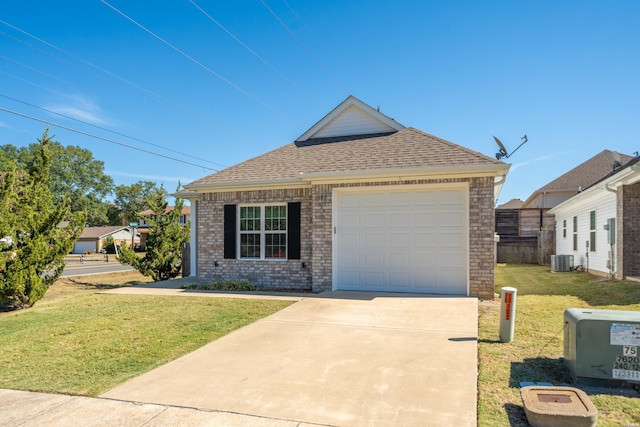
(143, 225)
(357, 202)
(577, 179)
(522, 229)
(92, 238)
(600, 225)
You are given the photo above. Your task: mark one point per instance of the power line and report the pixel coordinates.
(302, 45)
(109, 73)
(195, 61)
(108, 130)
(306, 27)
(103, 139)
(264, 61)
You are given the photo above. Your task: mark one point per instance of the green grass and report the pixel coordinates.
(537, 350)
(82, 343)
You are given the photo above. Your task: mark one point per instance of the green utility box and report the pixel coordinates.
(602, 347)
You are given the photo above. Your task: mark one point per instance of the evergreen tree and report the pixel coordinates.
(163, 258)
(36, 232)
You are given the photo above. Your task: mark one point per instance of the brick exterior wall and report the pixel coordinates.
(277, 274)
(628, 231)
(316, 227)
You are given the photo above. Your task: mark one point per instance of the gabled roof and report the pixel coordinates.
(351, 117)
(353, 140)
(101, 232)
(408, 149)
(627, 174)
(584, 175)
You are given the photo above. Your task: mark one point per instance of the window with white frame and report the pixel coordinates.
(263, 232)
(564, 228)
(575, 233)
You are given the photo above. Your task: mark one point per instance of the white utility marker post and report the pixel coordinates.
(507, 313)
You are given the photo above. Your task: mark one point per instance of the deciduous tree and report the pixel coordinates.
(132, 199)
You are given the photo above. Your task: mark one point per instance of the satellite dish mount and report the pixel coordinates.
(503, 151)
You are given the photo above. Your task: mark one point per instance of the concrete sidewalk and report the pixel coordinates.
(341, 359)
(21, 408)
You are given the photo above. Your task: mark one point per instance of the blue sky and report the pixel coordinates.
(232, 80)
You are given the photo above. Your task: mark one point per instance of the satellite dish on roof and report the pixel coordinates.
(503, 151)
(617, 160)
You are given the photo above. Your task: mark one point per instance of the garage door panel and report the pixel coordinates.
(373, 258)
(425, 239)
(399, 260)
(373, 200)
(451, 239)
(399, 219)
(408, 241)
(449, 260)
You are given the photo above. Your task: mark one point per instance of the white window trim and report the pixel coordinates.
(262, 232)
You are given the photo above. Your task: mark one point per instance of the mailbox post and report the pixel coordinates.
(507, 313)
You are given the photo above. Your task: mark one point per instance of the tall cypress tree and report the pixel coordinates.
(163, 258)
(36, 233)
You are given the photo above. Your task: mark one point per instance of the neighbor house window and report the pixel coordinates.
(592, 229)
(564, 228)
(263, 232)
(575, 233)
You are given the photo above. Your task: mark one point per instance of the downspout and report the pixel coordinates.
(194, 239)
(612, 261)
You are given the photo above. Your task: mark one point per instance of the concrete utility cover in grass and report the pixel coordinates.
(348, 359)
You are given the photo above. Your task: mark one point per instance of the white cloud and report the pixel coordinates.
(537, 159)
(82, 109)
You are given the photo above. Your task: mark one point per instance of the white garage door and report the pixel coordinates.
(401, 241)
(84, 246)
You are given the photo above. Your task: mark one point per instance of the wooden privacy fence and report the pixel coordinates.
(186, 259)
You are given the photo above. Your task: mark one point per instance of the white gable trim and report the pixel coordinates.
(384, 121)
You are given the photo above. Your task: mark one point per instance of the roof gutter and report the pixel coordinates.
(305, 180)
(404, 173)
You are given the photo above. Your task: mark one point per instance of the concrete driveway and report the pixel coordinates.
(340, 359)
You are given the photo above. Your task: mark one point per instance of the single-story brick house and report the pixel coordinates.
(358, 202)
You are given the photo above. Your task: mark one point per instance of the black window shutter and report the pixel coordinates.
(230, 231)
(293, 230)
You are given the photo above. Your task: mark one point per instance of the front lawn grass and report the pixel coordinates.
(537, 349)
(78, 342)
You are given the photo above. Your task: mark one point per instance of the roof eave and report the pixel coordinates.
(303, 180)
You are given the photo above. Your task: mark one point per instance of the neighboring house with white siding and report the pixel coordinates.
(600, 226)
(92, 238)
(358, 202)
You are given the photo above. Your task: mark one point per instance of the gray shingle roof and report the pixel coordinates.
(408, 148)
(511, 204)
(585, 174)
(98, 232)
